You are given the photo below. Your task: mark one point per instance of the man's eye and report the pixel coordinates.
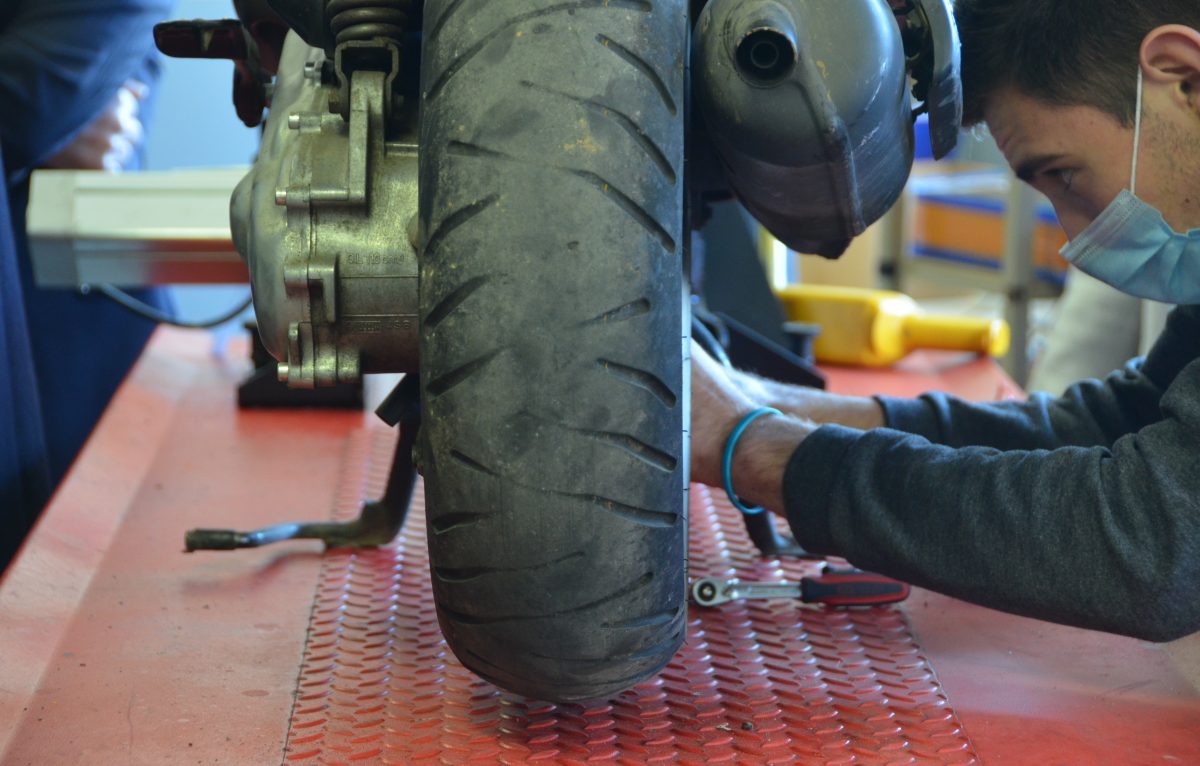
(1065, 176)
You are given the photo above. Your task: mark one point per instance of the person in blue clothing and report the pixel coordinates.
(73, 82)
(1081, 509)
(24, 475)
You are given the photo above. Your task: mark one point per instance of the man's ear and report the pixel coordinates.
(1170, 56)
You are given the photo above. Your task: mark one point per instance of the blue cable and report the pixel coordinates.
(727, 461)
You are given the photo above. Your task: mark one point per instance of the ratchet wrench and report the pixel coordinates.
(833, 587)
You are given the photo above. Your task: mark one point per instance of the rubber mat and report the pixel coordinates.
(764, 682)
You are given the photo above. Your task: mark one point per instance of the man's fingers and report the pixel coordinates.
(126, 102)
(126, 112)
(702, 358)
(110, 140)
(120, 151)
(717, 405)
(139, 90)
(132, 131)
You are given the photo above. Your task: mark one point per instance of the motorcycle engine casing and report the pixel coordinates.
(806, 103)
(326, 221)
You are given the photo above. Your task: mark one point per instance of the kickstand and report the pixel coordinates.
(380, 520)
(764, 535)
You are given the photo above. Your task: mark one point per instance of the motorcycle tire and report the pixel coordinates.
(554, 399)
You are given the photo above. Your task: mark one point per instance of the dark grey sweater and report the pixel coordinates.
(1082, 509)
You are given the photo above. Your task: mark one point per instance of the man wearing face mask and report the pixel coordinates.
(1082, 509)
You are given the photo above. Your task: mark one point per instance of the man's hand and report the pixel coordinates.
(718, 404)
(109, 141)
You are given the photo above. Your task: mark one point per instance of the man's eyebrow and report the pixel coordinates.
(1030, 167)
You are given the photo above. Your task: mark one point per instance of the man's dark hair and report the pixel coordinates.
(1064, 52)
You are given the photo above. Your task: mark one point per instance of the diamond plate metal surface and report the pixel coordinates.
(769, 682)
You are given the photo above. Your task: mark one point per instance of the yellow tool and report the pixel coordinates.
(876, 328)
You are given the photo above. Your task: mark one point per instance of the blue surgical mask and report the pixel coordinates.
(1131, 247)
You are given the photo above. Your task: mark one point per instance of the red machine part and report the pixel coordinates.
(756, 682)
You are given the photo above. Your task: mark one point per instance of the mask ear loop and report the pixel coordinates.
(1137, 134)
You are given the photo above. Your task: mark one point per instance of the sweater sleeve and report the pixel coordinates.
(1102, 537)
(61, 62)
(1089, 413)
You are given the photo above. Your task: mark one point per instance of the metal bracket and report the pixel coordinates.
(314, 358)
(312, 179)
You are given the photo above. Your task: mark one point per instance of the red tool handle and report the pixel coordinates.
(851, 587)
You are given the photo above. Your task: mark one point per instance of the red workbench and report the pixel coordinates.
(117, 648)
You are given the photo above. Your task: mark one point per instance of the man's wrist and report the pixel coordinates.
(762, 455)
